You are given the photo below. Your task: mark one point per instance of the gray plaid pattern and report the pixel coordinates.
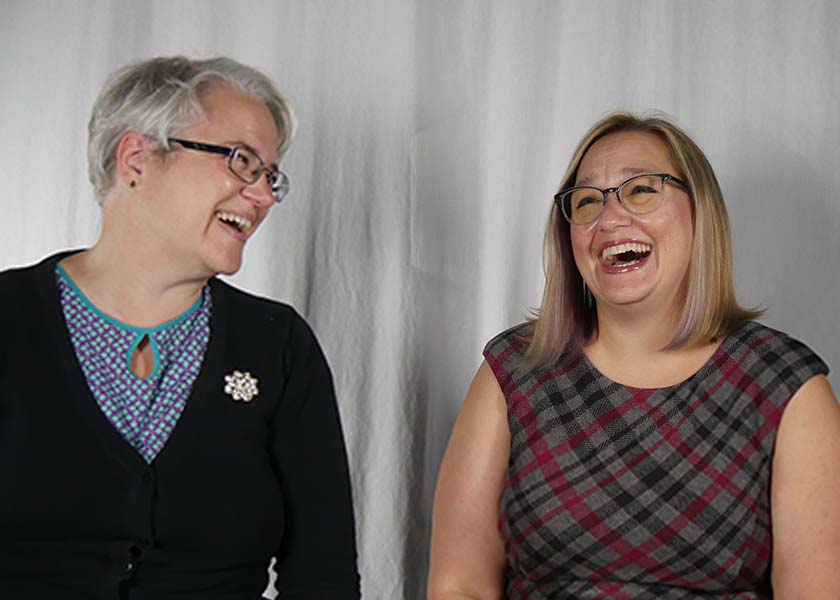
(619, 492)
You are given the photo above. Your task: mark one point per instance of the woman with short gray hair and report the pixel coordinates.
(165, 434)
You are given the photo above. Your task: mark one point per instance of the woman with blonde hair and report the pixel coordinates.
(621, 444)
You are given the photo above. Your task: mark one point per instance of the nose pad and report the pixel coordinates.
(259, 192)
(613, 214)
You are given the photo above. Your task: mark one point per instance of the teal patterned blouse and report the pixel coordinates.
(143, 410)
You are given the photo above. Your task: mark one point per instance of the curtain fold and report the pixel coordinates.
(433, 135)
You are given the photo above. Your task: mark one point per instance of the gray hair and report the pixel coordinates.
(161, 97)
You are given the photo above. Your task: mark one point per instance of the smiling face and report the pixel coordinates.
(194, 209)
(626, 259)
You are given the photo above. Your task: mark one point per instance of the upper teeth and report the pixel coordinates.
(243, 223)
(611, 251)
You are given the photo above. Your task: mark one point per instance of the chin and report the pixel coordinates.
(628, 298)
(229, 269)
(225, 264)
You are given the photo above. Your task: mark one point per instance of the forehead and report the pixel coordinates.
(624, 154)
(234, 117)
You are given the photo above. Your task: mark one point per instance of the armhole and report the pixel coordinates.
(791, 392)
(797, 365)
(495, 367)
(503, 353)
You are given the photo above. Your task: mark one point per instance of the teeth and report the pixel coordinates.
(241, 223)
(611, 251)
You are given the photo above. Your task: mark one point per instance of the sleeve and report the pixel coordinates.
(317, 558)
(785, 365)
(505, 352)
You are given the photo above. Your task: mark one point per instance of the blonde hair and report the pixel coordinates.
(567, 319)
(161, 97)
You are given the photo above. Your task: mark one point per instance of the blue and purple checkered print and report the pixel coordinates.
(144, 411)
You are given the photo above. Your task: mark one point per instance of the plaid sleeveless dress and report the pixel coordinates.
(627, 493)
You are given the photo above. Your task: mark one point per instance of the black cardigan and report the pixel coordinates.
(82, 516)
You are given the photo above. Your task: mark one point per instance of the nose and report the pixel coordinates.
(613, 215)
(259, 192)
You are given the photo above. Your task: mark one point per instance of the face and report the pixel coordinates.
(632, 260)
(196, 210)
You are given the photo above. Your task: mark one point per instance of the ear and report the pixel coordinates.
(134, 152)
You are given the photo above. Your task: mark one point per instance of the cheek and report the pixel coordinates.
(680, 224)
(580, 242)
(225, 184)
(684, 234)
(679, 243)
(262, 214)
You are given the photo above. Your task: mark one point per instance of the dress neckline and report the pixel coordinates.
(70, 369)
(723, 350)
(116, 322)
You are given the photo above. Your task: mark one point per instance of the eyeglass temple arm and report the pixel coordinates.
(226, 151)
(681, 182)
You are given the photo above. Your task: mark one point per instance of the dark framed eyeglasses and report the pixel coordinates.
(245, 164)
(639, 195)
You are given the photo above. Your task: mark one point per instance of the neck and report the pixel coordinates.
(635, 333)
(630, 348)
(133, 282)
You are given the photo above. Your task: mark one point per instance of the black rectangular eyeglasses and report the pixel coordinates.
(245, 164)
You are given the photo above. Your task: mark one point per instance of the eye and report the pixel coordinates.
(642, 185)
(247, 164)
(242, 164)
(640, 189)
(584, 199)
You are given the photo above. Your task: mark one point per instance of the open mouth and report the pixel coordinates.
(237, 223)
(625, 255)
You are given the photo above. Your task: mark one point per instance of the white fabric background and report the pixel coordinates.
(433, 135)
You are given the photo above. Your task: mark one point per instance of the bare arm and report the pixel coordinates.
(468, 559)
(805, 496)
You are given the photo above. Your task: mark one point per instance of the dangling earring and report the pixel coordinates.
(588, 300)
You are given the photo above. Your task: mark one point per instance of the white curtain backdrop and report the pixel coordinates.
(433, 135)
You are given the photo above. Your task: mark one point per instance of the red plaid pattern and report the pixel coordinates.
(626, 493)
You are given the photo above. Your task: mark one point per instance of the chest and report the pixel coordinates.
(76, 475)
(607, 482)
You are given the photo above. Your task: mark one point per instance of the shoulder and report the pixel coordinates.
(27, 281)
(12, 278)
(252, 316)
(505, 352)
(511, 343)
(246, 303)
(763, 347)
(773, 360)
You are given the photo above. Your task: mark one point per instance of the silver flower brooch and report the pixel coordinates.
(241, 386)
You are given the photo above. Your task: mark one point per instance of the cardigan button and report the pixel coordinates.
(134, 554)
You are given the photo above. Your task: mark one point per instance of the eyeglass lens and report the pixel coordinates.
(639, 195)
(247, 165)
(249, 168)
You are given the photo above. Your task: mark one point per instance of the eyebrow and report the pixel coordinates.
(626, 172)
